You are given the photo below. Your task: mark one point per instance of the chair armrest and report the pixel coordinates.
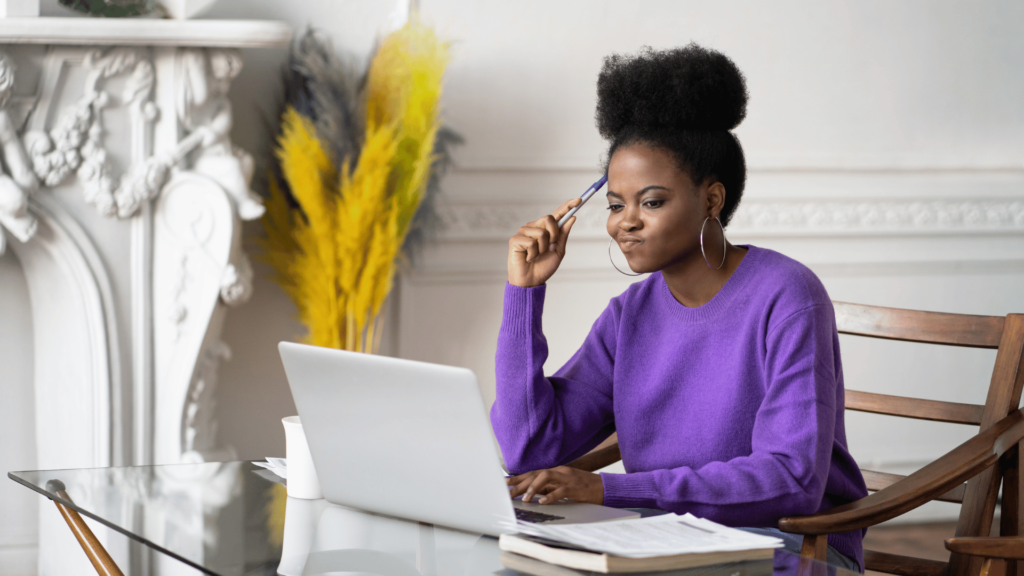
(597, 459)
(960, 464)
(1004, 547)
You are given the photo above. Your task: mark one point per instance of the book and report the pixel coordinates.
(667, 542)
(527, 565)
(604, 563)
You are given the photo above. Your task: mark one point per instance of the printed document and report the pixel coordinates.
(663, 535)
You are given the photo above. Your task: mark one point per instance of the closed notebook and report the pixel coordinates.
(579, 558)
(527, 565)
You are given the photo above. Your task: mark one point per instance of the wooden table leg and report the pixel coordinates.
(97, 554)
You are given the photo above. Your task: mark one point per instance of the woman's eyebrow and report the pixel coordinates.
(640, 193)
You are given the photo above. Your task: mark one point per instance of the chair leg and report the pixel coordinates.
(1010, 517)
(806, 566)
(97, 554)
(994, 567)
(815, 546)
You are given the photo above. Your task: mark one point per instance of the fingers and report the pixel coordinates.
(551, 223)
(523, 484)
(555, 495)
(564, 237)
(565, 207)
(539, 481)
(555, 484)
(542, 239)
(543, 235)
(531, 241)
(520, 483)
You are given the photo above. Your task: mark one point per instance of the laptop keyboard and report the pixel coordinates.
(535, 517)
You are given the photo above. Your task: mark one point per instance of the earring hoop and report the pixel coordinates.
(610, 240)
(725, 245)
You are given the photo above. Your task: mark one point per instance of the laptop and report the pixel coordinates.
(411, 440)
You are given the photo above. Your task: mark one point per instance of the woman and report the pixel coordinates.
(720, 371)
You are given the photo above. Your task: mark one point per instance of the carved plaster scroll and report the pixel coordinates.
(197, 245)
(236, 282)
(16, 186)
(204, 113)
(198, 427)
(75, 142)
(206, 110)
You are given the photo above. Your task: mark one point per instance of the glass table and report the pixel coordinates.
(234, 518)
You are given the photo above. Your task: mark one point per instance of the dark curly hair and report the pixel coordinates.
(686, 100)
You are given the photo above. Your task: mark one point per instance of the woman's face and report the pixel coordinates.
(655, 210)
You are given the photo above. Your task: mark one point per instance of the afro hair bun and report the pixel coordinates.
(689, 88)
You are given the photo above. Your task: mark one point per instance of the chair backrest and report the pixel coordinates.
(1006, 334)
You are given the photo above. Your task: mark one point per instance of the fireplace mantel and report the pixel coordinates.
(86, 31)
(122, 195)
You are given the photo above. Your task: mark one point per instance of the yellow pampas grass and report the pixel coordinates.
(334, 249)
(277, 502)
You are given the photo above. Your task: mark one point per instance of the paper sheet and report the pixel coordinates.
(278, 466)
(656, 536)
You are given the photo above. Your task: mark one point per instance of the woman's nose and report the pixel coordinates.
(629, 221)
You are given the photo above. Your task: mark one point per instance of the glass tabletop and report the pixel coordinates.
(235, 518)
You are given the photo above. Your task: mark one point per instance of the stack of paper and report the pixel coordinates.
(666, 535)
(278, 466)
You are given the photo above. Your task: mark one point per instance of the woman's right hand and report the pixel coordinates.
(535, 252)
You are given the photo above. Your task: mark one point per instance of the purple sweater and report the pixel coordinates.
(732, 411)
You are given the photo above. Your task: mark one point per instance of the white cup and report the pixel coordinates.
(302, 480)
(300, 520)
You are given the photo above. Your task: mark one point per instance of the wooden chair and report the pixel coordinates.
(995, 549)
(982, 462)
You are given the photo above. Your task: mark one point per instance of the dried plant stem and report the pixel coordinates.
(371, 326)
(339, 212)
(379, 321)
(350, 332)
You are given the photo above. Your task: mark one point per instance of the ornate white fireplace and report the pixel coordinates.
(122, 197)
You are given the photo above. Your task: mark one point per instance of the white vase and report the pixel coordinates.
(300, 521)
(302, 479)
(185, 9)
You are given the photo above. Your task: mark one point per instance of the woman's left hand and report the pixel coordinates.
(558, 483)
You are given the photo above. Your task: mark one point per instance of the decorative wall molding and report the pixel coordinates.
(831, 217)
(72, 297)
(881, 216)
(75, 142)
(139, 128)
(16, 186)
(788, 162)
(199, 268)
(601, 271)
(193, 148)
(79, 420)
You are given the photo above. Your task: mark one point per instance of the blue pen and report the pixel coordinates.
(586, 196)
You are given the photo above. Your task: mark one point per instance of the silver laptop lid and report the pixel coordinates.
(398, 437)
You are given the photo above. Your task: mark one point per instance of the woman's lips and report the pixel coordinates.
(628, 243)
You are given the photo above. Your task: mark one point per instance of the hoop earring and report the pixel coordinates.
(725, 245)
(610, 240)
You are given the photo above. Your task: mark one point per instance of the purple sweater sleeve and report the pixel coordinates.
(545, 422)
(791, 445)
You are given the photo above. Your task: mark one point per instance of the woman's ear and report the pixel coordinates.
(716, 199)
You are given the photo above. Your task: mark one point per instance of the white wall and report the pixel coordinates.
(858, 110)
